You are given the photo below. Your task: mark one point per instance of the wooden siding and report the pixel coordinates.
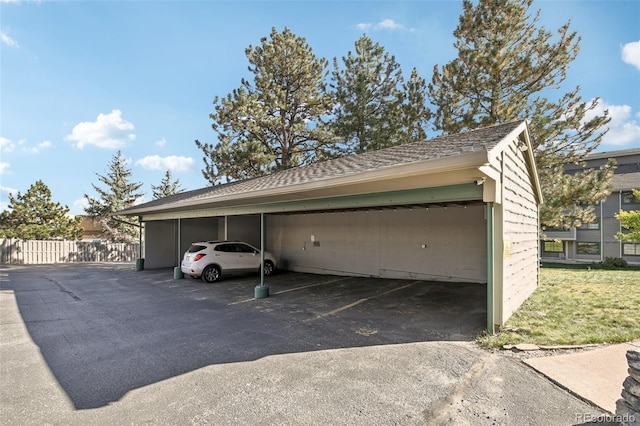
(47, 252)
(520, 232)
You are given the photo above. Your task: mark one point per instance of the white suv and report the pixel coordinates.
(212, 259)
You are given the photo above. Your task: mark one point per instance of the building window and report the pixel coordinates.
(553, 247)
(628, 198)
(631, 249)
(588, 248)
(557, 229)
(592, 225)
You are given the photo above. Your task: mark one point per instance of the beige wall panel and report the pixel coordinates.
(385, 243)
(160, 244)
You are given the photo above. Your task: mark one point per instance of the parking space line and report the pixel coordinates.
(294, 289)
(358, 302)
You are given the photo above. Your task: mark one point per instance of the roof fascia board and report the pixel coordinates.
(512, 137)
(531, 161)
(519, 135)
(426, 167)
(452, 193)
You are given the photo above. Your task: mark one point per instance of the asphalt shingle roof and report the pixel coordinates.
(479, 140)
(626, 181)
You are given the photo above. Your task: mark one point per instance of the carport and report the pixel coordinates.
(458, 208)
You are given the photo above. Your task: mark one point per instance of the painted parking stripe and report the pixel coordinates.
(293, 289)
(358, 302)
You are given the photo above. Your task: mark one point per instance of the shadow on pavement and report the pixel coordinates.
(105, 330)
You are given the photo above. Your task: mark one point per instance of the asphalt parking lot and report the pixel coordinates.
(104, 344)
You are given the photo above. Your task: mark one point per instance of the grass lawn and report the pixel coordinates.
(576, 305)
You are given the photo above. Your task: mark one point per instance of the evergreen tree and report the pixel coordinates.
(415, 112)
(630, 220)
(34, 216)
(120, 193)
(506, 64)
(273, 122)
(368, 98)
(166, 187)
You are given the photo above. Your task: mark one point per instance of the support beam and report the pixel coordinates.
(177, 271)
(261, 290)
(490, 267)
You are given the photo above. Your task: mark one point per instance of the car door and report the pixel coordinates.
(227, 257)
(248, 259)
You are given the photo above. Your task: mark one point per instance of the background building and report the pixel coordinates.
(593, 242)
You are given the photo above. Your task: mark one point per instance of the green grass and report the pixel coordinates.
(576, 305)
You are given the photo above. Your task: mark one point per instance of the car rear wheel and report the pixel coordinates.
(211, 274)
(268, 267)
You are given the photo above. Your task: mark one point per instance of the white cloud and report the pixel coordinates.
(78, 206)
(6, 145)
(8, 190)
(385, 24)
(108, 131)
(40, 147)
(172, 162)
(4, 205)
(624, 129)
(161, 142)
(631, 53)
(140, 200)
(3, 167)
(8, 40)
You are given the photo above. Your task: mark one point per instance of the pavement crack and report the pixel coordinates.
(443, 410)
(64, 290)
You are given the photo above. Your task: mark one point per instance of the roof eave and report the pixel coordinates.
(425, 167)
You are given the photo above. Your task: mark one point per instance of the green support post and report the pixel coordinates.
(490, 267)
(177, 271)
(261, 290)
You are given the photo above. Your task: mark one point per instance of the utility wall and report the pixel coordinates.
(384, 243)
(161, 248)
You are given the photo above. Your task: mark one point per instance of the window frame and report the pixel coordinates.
(544, 247)
(591, 243)
(628, 201)
(636, 249)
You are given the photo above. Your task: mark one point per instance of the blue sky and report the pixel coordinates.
(80, 80)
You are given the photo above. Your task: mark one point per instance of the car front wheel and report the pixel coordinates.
(211, 274)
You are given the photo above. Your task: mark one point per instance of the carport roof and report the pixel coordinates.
(455, 147)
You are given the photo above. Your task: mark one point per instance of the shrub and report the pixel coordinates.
(614, 262)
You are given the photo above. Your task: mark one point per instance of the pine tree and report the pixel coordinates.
(273, 122)
(506, 64)
(368, 98)
(166, 187)
(34, 216)
(120, 193)
(415, 112)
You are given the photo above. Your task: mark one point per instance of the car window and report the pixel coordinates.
(222, 247)
(196, 248)
(243, 248)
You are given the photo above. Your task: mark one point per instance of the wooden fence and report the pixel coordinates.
(43, 252)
